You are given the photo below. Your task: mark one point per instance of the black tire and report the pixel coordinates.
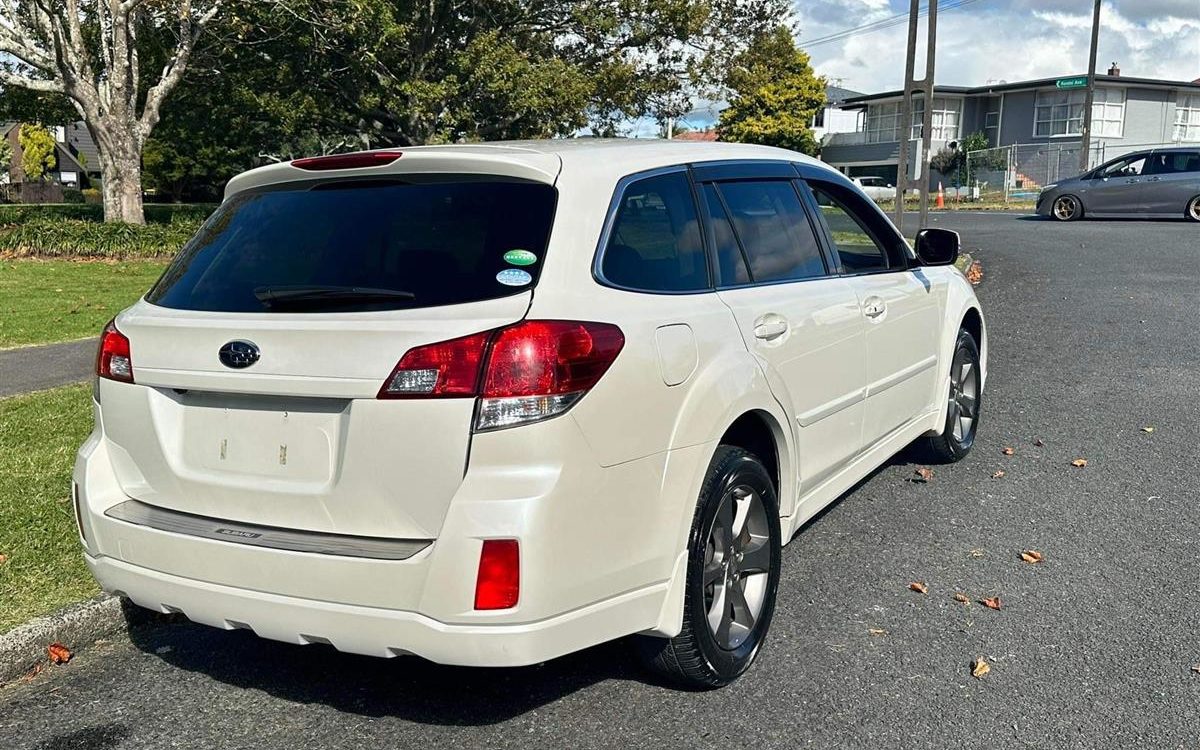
(954, 444)
(695, 658)
(1071, 208)
(1193, 209)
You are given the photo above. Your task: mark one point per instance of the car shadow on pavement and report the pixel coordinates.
(404, 687)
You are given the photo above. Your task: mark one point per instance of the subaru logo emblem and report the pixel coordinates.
(238, 354)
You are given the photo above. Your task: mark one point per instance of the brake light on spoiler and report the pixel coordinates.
(523, 373)
(347, 161)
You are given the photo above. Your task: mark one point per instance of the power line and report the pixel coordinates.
(881, 24)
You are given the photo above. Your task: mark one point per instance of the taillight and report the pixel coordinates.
(446, 369)
(523, 373)
(113, 360)
(347, 161)
(540, 368)
(498, 584)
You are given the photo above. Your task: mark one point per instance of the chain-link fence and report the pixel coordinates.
(1016, 173)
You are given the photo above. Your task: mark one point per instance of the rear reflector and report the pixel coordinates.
(498, 585)
(113, 359)
(347, 161)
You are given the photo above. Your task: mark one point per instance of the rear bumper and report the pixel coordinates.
(599, 560)
(374, 631)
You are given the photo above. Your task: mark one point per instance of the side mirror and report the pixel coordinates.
(937, 247)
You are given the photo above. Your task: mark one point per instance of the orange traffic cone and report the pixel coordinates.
(941, 202)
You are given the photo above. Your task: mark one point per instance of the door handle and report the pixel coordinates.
(770, 326)
(873, 307)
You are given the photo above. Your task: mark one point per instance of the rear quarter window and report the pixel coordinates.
(443, 240)
(654, 244)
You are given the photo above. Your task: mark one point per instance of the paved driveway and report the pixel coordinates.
(1094, 336)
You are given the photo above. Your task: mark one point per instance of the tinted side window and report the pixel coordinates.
(655, 242)
(774, 230)
(861, 247)
(1174, 162)
(731, 264)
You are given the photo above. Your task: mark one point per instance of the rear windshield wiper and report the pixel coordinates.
(323, 293)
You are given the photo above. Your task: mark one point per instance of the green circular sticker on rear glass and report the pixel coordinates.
(520, 258)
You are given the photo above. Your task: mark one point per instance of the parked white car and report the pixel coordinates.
(875, 188)
(491, 404)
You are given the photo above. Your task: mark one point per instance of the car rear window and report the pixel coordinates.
(348, 246)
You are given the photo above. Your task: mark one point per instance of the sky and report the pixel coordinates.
(994, 40)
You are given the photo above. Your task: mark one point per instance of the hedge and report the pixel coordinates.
(55, 237)
(156, 213)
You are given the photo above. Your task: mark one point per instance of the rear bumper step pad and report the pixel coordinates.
(346, 545)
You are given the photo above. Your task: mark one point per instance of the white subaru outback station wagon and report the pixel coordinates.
(491, 404)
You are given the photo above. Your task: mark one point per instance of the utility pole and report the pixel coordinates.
(1085, 137)
(912, 86)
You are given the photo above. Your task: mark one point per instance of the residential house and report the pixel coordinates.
(76, 161)
(832, 118)
(1040, 120)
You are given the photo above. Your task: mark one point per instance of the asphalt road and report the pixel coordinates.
(35, 368)
(1093, 336)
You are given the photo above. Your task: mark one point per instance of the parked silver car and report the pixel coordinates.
(1162, 183)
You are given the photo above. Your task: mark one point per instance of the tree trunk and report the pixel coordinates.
(121, 164)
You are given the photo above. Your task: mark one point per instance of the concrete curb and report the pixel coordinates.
(75, 626)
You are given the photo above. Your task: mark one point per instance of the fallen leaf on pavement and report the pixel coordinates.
(1079, 462)
(919, 587)
(1039, 443)
(1196, 667)
(999, 473)
(979, 668)
(1008, 451)
(991, 602)
(1147, 429)
(1031, 556)
(976, 553)
(876, 631)
(922, 474)
(58, 653)
(962, 599)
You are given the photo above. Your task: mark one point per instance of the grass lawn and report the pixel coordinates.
(42, 301)
(44, 570)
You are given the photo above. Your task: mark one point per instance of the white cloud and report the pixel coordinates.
(1011, 40)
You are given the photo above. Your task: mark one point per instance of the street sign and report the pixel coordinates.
(1076, 82)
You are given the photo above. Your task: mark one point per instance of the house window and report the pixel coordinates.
(946, 114)
(883, 123)
(1061, 113)
(1187, 117)
(819, 119)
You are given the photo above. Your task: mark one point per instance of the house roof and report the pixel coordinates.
(836, 94)
(80, 141)
(702, 136)
(997, 88)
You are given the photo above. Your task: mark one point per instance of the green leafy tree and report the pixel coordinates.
(5, 155)
(402, 72)
(774, 95)
(302, 77)
(92, 54)
(37, 150)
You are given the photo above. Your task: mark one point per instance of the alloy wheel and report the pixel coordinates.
(964, 396)
(737, 563)
(1194, 209)
(1065, 208)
